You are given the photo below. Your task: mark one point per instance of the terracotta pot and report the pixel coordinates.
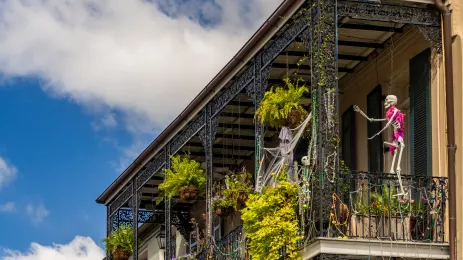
(242, 197)
(188, 193)
(221, 212)
(121, 254)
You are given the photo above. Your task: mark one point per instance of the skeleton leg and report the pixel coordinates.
(393, 157)
(402, 146)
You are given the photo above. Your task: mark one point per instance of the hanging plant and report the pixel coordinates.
(238, 186)
(185, 178)
(120, 242)
(271, 222)
(281, 106)
(222, 206)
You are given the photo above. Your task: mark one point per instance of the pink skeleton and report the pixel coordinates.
(394, 118)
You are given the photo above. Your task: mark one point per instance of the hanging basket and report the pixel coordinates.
(189, 193)
(222, 212)
(242, 197)
(121, 254)
(295, 118)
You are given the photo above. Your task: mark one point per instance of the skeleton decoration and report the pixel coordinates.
(394, 118)
(286, 137)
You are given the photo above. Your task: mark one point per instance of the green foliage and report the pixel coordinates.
(271, 222)
(121, 238)
(389, 204)
(223, 203)
(281, 105)
(183, 173)
(236, 185)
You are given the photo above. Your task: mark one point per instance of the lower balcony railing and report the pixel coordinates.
(375, 206)
(230, 247)
(360, 205)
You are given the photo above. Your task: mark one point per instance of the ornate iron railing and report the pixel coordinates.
(370, 205)
(230, 247)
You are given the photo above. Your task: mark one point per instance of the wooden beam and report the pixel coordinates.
(369, 27)
(225, 147)
(361, 44)
(226, 156)
(237, 115)
(302, 67)
(340, 56)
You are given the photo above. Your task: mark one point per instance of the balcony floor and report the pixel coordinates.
(363, 248)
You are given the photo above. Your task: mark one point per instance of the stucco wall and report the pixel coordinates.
(457, 32)
(356, 87)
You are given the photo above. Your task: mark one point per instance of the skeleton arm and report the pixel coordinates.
(387, 124)
(357, 109)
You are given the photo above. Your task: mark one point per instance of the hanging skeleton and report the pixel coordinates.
(286, 137)
(394, 118)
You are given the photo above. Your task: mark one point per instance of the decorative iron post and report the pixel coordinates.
(108, 227)
(134, 205)
(207, 136)
(325, 91)
(258, 95)
(168, 216)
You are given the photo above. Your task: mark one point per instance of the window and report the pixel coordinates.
(217, 228)
(348, 138)
(420, 114)
(375, 146)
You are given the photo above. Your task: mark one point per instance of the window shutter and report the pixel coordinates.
(420, 114)
(348, 138)
(375, 146)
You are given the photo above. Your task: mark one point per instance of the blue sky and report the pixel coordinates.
(84, 87)
(62, 163)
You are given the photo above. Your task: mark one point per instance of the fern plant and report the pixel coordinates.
(281, 106)
(121, 238)
(184, 173)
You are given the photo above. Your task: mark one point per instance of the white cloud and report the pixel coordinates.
(108, 121)
(7, 172)
(37, 213)
(126, 55)
(8, 207)
(80, 248)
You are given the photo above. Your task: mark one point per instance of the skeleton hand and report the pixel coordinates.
(396, 125)
(372, 137)
(357, 109)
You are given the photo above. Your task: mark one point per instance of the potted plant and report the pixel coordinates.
(281, 106)
(120, 242)
(386, 215)
(238, 186)
(222, 206)
(185, 178)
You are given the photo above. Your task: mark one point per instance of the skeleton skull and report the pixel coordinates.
(391, 100)
(305, 161)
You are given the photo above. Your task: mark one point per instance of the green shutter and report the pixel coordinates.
(420, 114)
(375, 146)
(348, 138)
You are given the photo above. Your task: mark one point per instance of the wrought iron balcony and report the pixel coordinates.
(371, 206)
